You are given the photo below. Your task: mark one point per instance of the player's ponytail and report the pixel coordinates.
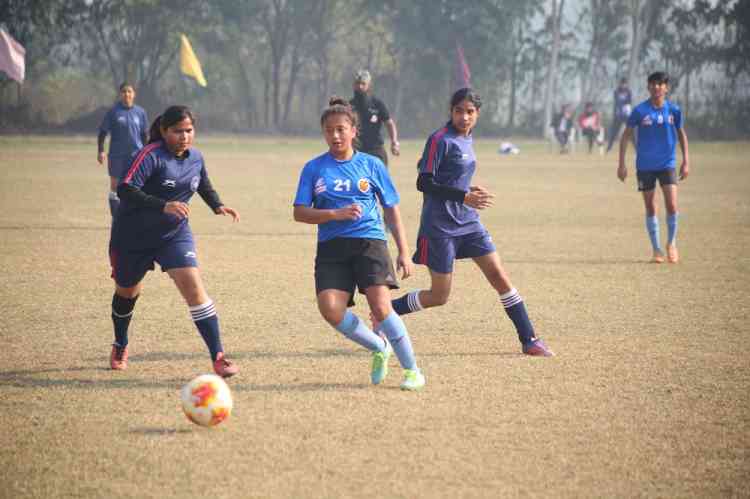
(339, 105)
(170, 117)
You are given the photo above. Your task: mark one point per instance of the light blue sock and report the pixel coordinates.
(395, 330)
(672, 228)
(652, 226)
(354, 329)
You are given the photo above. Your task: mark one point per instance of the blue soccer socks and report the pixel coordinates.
(122, 312)
(395, 330)
(407, 303)
(356, 330)
(672, 222)
(652, 227)
(114, 203)
(516, 310)
(207, 322)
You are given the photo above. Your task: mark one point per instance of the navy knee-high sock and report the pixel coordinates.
(516, 310)
(122, 312)
(407, 304)
(207, 322)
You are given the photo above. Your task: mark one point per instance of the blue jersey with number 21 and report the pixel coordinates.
(328, 184)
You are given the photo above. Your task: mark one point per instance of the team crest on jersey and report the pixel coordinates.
(169, 183)
(647, 121)
(364, 185)
(320, 186)
(194, 183)
(374, 118)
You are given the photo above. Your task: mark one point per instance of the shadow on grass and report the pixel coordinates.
(153, 431)
(299, 387)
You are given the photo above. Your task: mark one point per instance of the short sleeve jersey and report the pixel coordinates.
(126, 126)
(623, 100)
(656, 134)
(157, 172)
(450, 158)
(372, 114)
(327, 183)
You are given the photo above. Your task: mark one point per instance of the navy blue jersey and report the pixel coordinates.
(127, 126)
(157, 172)
(450, 158)
(328, 184)
(656, 134)
(623, 102)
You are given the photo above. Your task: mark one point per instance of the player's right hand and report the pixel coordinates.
(351, 212)
(177, 208)
(478, 198)
(100, 158)
(622, 173)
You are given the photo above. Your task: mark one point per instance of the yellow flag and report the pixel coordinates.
(189, 64)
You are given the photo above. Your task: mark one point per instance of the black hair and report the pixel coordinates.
(126, 84)
(339, 105)
(658, 77)
(466, 94)
(172, 116)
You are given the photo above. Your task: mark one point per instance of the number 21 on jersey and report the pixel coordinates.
(342, 185)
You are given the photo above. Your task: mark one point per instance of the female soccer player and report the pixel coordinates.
(450, 228)
(339, 191)
(659, 124)
(152, 226)
(128, 126)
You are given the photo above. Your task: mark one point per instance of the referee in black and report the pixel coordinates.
(372, 115)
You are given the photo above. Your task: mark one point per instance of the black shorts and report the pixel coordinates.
(345, 262)
(647, 179)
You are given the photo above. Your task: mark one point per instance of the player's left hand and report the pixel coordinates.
(226, 210)
(404, 264)
(684, 170)
(395, 148)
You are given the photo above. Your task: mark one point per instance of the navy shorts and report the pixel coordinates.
(118, 166)
(439, 253)
(129, 265)
(345, 262)
(647, 179)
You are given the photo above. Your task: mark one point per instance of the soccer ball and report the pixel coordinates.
(206, 400)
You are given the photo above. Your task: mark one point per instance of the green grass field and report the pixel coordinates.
(649, 395)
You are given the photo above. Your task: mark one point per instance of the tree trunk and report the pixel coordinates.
(552, 68)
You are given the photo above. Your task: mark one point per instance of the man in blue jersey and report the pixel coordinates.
(127, 125)
(623, 100)
(658, 122)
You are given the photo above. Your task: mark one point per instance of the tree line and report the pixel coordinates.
(271, 65)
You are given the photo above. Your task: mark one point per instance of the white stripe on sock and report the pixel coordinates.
(510, 298)
(412, 300)
(204, 311)
(121, 316)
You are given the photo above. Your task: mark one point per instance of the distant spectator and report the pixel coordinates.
(623, 100)
(590, 124)
(372, 115)
(562, 124)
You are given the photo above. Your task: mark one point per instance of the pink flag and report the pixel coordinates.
(12, 57)
(463, 74)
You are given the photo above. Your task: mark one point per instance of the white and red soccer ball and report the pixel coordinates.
(206, 400)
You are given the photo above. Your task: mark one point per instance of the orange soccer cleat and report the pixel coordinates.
(225, 367)
(673, 256)
(118, 359)
(658, 257)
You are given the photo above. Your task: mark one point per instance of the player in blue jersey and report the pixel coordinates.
(339, 192)
(450, 228)
(152, 226)
(658, 122)
(127, 126)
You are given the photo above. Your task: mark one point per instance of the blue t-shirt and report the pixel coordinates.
(656, 134)
(127, 126)
(328, 184)
(450, 158)
(157, 172)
